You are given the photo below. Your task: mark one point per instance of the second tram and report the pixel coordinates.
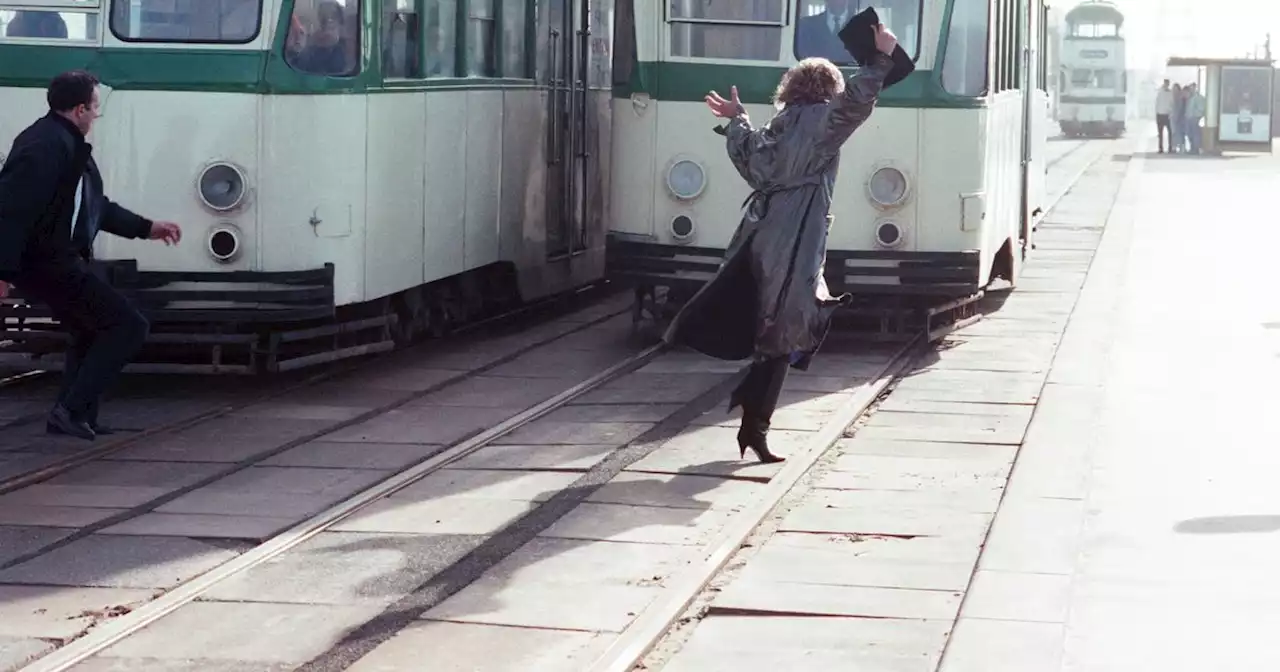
(936, 195)
(1094, 100)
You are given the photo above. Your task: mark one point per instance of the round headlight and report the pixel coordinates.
(686, 179)
(888, 234)
(224, 243)
(887, 187)
(221, 187)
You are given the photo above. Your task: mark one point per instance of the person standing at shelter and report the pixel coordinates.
(1177, 121)
(1195, 112)
(52, 206)
(769, 301)
(1164, 108)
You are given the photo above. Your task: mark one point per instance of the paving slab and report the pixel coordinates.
(340, 568)
(492, 391)
(782, 562)
(260, 633)
(681, 491)
(639, 524)
(742, 644)
(228, 439)
(575, 457)
(545, 431)
(459, 515)
(436, 425)
(60, 613)
(654, 388)
(793, 597)
(204, 525)
(713, 451)
(945, 427)
(17, 652)
(111, 664)
(16, 541)
(644, 413)
(52, 516)
(466, 647)
(108, 561)
(333, 455)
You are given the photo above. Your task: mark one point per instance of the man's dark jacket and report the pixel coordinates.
(37, 198)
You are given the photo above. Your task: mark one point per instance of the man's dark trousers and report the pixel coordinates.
(107, 331)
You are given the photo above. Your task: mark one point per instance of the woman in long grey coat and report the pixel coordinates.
(769, 300)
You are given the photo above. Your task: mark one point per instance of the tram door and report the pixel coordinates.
(568, 41)
(1034, 111)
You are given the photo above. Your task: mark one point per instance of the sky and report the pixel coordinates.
(1156, 29)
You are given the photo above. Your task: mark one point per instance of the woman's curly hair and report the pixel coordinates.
(813, 80)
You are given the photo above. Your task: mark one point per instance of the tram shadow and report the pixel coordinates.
(569, 565)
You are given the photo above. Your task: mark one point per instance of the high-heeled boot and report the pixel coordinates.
(757, 410)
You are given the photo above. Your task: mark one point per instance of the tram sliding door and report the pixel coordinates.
(568, 113)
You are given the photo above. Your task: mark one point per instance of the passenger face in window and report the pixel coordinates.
(329, 25)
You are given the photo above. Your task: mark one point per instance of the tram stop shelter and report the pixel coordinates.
(1238, 102)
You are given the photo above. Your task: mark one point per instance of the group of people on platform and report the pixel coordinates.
(1179, 110)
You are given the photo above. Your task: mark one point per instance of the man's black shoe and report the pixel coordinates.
(61, 422)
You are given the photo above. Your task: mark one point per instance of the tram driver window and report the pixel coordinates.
(40, 24)
(820, 21)
(324, 37)
(197, 21)
(739, 30)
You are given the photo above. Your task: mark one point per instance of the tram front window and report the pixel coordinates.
(324, 37)
(42, 24)
(820, 21)
(195, 21)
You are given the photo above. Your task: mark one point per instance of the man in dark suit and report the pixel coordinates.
(52, 206)
(817, 36)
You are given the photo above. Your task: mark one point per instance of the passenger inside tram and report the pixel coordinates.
(323, 43)
(37, 24)
(817, 31)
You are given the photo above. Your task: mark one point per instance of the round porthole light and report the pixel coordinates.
(682, 227)
(686, 179)
(888, 234)
(223, 243)
(221, 187)
(887, 187)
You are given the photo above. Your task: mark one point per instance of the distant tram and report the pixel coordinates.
(936, 194)
(349, 173)
(1094, 100)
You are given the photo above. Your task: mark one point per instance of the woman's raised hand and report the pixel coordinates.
(722, 108)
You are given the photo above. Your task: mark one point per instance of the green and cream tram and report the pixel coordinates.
(348, 172)
(936, 193)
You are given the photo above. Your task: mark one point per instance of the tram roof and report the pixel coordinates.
(1194, 61)
(1095, 11)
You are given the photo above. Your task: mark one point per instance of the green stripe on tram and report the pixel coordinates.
(689, 82)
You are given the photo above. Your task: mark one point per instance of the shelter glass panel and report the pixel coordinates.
(740, 30)
(819, 21)
(49, 24)
(196, 21)
(324, 37)
(441, 20)
(964, 65)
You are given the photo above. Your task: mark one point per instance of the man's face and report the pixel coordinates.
(837, 6)
(83, 116)
(1166, 84)
(329, 28)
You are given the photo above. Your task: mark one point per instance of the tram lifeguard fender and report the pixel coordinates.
(858, 37)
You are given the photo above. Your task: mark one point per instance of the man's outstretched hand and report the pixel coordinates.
(169, 232)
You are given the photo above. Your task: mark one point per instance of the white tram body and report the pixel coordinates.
(1095, 78)
(935, 193)
(335, 162)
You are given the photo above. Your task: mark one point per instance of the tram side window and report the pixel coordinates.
(740, 30)
(324, 37)
(401, 40)
(964, 64)
(481, 59)
(820, 21)
(198, 21)
(40, 24)
(442, 28)
(515, 62)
